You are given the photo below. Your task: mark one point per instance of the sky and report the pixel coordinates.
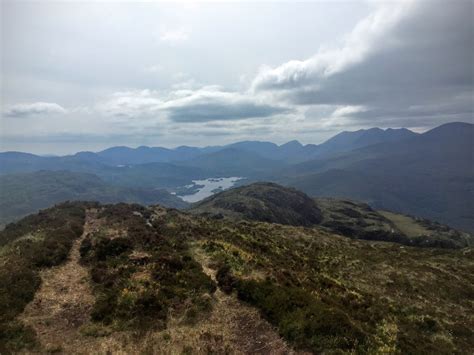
(89, 75)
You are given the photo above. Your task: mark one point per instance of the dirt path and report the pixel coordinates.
(63, 302)
(246, 330)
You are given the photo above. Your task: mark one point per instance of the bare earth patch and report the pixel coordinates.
(63, 302)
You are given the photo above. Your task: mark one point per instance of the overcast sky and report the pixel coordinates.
(88, 75)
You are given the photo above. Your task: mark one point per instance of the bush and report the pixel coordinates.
(225, 280)
(112, 247)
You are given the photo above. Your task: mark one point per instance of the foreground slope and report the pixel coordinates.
(165, 281)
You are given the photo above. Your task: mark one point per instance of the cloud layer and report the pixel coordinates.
(351, 65)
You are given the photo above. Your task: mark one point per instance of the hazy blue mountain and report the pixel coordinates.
(16, 162)
(292, 151)
(233, 162)
(19, 162)
(347, 141)
(25, 193)
(150, 175)
(430, 175)
(143, 154)
(264, 149)
(153, 175)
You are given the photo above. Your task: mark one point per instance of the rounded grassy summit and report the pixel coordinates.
(264, 202)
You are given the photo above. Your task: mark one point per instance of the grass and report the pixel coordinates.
(406, 224)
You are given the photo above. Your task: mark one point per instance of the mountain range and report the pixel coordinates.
(428, 175)
(120, 156)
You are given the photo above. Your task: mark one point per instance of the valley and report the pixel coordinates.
(428, 175)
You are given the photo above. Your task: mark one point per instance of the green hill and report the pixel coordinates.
(262, 201)
(24, 193)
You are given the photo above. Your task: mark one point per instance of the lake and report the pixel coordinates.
(207, 187)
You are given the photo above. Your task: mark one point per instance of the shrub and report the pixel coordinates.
(225, 280)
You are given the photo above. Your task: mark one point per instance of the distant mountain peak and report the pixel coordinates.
(293, 143)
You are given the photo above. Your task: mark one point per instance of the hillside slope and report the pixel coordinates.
(22, 194)
(269, 202)
(430, 175)
(163, 281)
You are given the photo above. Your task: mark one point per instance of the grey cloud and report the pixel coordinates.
(424, 59)
(214, 104)
(204, 112)
(201, 105)
(32, 109)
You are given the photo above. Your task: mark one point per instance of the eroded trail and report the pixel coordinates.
(242, 325)
(64, 300)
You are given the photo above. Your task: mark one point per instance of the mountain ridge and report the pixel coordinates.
(123, 155)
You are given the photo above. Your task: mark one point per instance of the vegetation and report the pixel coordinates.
(35, 242)
(328, 293)
(152, 272)
(142, 271)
